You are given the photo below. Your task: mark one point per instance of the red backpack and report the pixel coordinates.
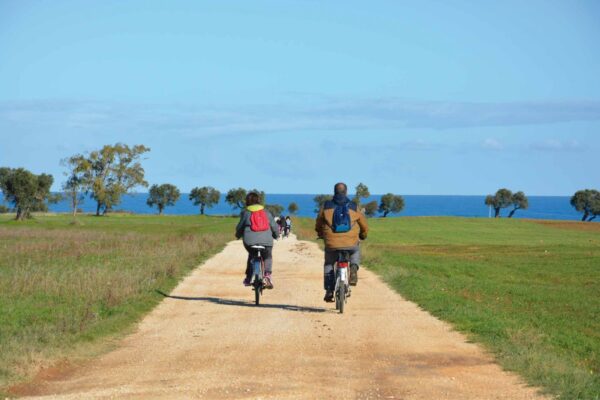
(259, 221)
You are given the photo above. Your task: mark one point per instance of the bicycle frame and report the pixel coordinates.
(258, 273)
(342, 286)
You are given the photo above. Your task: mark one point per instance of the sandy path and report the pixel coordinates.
(210, 342)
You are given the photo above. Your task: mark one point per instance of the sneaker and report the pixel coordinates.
(268, 281)
(353, 274)
(328, 296)
(247, 281)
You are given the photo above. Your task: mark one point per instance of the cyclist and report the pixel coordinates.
(342, 226)
(257, 227)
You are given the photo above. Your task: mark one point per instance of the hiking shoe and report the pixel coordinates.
(268, 281)
(328, 296)
(247, 281)
(353, 274)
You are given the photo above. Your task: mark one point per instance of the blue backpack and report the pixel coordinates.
(341, 219)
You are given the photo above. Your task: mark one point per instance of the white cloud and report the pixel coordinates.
(557, 145)
(330, 114)
(492, 144)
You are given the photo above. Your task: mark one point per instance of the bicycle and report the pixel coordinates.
(342, 285)
(258, 273)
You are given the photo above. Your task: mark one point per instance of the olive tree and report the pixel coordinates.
(519, 202)
(391, 203)
(26, 191)
(293, 208)
(78, 180)
(320, 199)
(502, 199)
(205, 196)
(595, 208)
(274, 209)
(371, 208)
(237, 197)
(110, 172)
(587, 201)
(362, 192)
(162, 196)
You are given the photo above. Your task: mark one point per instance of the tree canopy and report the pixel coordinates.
(391, 203)
(362, 192)
(110, 172)
(502, 199)
(371, 208)
(78, 180)
(26, 191)
(293, 208)
(274, 209)
(237, 197)
(205, 196)
(162, 196)
(519, 202)
(587, 201)
(320, 199)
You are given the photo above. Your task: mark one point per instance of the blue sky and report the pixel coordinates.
(422, 97)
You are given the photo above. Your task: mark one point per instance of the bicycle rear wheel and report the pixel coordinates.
(257, 290)
(342, 297)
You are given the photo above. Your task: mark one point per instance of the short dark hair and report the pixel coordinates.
(252, 198)
(340, 188)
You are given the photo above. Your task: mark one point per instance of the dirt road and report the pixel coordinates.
(208, 341)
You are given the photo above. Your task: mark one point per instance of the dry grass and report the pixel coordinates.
(63, 284)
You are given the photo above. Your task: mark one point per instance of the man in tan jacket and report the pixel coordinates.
(342, 226)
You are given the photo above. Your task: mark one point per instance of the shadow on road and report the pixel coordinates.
(239, 303)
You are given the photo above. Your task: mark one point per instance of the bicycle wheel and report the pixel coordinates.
(342, 291)
(257, 290)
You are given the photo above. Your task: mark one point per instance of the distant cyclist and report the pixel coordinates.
(257, 227)
(342, 226)
(281, 224)
(288, 225)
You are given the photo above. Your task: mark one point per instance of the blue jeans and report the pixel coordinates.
(266, 255)
(331, 258)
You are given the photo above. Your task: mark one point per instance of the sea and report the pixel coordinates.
(540, 207)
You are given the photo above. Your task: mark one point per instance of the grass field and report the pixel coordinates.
(529, 291)
(64, 285)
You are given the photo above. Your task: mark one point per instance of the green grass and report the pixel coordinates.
(65, 285)
(528, 291)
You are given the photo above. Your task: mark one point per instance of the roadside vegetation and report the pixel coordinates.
(66, 283)
(527, 290)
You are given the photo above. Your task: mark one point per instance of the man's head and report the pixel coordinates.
(341, 189)
(252, 199)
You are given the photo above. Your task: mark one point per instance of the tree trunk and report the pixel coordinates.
(512, 212)
(201, 209)
(592, 217)
(160, 209)
(496, 212)
(385, 213)
(585, 216)
(74, 204)
(22, 213)
(98, 209)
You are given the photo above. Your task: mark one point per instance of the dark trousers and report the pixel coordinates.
(331, 258)
(267, 255)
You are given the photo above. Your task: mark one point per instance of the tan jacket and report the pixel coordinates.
(343, 240)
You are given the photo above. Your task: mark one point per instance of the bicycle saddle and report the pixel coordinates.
(258, 247)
